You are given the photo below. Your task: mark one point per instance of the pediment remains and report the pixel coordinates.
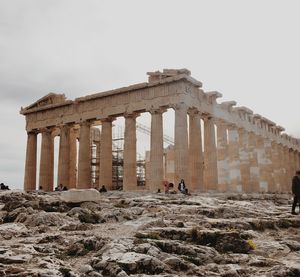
(47, 100)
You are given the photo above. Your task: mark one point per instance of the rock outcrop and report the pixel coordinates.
(131, 234)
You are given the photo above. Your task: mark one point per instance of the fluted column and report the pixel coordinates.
(297, 160)
(282, 168)
(276, 161)
(244, 159)
(30, 164)
(254, 169)
(156, 150)
(234, 159)
(47, 160)
(292, 163)
(210, 155)
(262, 164)
(129, 175)
(64, 156)
(105, 173)
(287, 181)
(268, 165)
(223, 157)
(195, 152)
(73, 158)
(84, 160)
(181, 143)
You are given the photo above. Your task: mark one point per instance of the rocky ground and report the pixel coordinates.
(140, 234)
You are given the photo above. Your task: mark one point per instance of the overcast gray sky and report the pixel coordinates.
(247, 50)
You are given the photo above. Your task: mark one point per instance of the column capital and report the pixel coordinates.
(206, 116)
(179, 106)
(33, 132)
(242, 130)
(232, 126)
(86, 122)
(47, 130)
(220, 122)
(108, 119)
(159, 110)
(194, 112)
(131, 115)
(66, 126)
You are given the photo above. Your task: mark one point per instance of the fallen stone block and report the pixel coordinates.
(80, 195)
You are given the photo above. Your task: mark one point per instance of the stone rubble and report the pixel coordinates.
(142, 234)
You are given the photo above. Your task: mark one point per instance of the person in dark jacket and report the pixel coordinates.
(296, 191)
(103, 189)
(181, 186)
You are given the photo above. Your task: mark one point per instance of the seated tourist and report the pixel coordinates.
(181, 186)
(172, 189)
(166, 186)
(60, 187)
(103, 189)
(3, 187)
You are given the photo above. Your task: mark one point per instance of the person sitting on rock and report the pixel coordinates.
(3, 187)
(166, 186)
(171, 189)
(103, 189)
(296, 191)
(181, 186)
(186, 192)
(60, 187)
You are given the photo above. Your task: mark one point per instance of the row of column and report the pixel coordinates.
(251, 163)
(66, 160)
(237, 161)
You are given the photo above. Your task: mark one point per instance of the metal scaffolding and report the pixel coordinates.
(117, 157)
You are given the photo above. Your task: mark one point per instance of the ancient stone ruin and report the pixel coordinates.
(243, 151)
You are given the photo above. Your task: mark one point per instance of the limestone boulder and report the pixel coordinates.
(136, 263)
(80, 195)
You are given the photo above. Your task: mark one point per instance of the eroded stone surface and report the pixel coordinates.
(140, 234)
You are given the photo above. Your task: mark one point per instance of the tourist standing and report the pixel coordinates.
(296, 191)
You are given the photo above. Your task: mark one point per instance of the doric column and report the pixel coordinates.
(276, 161)
(282, 168)
(47, 160)
(292, 163)
(73, 158)
(223, 157)
(254, 169)
(105, 173)
(268, 165)
(64, 156)
(297, 160)
(30, 164)
(210, 155)
(156, 150)
(129, 175)
(244, 159)
(234, 159)
(287, 181)
(84, 160)
(195, 152)
(181, 143)
(262, 164)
